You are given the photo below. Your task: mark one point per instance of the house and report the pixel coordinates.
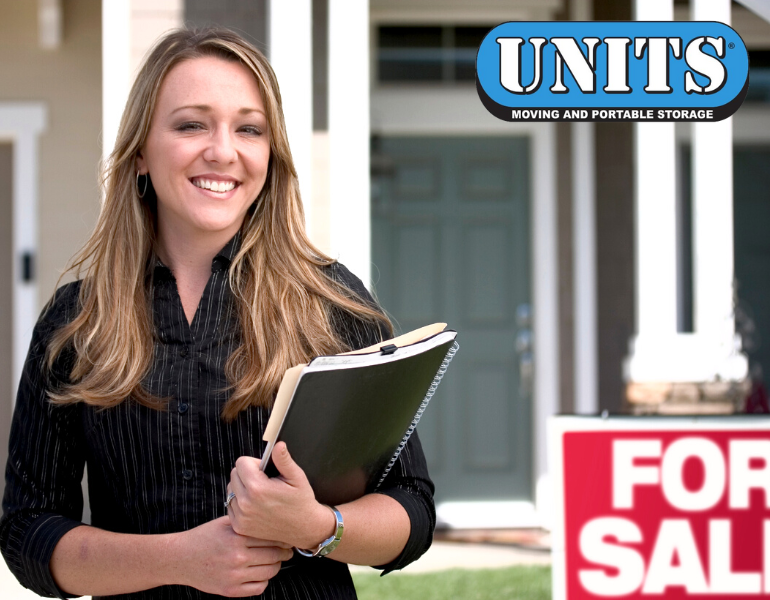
(587, 267)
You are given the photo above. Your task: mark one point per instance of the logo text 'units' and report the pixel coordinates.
(612, 71)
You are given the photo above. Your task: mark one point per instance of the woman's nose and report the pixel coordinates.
(220, 148)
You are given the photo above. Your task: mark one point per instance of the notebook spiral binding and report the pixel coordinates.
(423, 405)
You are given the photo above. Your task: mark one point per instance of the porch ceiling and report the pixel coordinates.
(461, 11)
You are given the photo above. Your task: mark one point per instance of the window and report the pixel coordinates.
(420, 54)
(759, 77)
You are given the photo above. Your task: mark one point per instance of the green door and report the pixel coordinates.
(450, 243)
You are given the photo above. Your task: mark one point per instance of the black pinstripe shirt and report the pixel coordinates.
(155, 471)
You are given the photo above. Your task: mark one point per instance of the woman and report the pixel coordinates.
(157, 369)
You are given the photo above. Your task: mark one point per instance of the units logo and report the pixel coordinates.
(612, 71)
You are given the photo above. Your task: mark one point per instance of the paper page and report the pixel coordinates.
(410, 337)
(342, 361)
(282, 401)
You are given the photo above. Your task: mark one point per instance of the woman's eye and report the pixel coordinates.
(190, 126)
(251, 130)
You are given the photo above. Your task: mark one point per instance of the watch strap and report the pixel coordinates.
(329, 544)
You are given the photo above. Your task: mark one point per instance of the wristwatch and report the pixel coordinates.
(329, 544)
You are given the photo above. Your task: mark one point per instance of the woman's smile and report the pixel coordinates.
(216, 186)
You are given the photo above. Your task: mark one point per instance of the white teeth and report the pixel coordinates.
(214, 186)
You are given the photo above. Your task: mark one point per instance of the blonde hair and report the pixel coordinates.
(285, 301)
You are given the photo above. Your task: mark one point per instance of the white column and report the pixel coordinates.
(584, 252)
(292, 59)
(655, 209)
(655, 198)
(545, 302)
(712, 177)
(659, 353)
(116, 67)
(653, 10)
(584, 268)
(713, 248)
(349, 135)
(655, 229)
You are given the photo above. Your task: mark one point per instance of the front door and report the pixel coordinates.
(450, 243)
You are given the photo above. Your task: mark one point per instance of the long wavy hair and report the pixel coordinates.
(286, 302)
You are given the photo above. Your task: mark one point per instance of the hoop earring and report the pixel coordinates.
(146, 183)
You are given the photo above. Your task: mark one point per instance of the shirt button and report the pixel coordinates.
(183, 352)
(187, 474)
(182, 408)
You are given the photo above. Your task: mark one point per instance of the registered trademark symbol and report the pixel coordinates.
(731, 45)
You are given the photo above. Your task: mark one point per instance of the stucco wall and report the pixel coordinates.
(68, 81)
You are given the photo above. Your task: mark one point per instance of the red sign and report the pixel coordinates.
(678, 512)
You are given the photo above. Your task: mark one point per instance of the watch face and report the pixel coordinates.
(328, 549)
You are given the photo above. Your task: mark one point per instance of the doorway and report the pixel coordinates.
(451, 242)
(6, 299)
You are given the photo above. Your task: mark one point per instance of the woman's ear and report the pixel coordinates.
(141, 165)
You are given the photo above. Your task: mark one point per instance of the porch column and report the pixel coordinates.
(712, 177)
(659, 353)
(116, 67)
(655, 191)
(586, 350)
(584, 268)
(349, 135)
(291, 57)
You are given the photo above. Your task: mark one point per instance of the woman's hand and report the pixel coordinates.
(280, 508)
(219, 561)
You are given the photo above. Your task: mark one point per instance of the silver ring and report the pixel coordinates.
(230, 497)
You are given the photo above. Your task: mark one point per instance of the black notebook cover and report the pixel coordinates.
(344, 425)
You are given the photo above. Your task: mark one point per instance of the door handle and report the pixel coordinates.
(526, 361)
(526, 374)
(524, 341)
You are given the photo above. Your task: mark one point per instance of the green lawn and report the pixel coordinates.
(512, 583)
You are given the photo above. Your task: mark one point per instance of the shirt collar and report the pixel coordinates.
(226, 255)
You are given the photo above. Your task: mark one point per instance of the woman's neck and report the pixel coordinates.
(189, 259)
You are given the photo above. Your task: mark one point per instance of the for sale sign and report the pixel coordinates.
(661, 507)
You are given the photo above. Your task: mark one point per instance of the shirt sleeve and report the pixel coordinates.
(408, 481)
(409, 484)
(43, 499)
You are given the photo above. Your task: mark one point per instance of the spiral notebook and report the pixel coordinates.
(346, 418)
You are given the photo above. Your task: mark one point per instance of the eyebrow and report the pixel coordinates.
(207, 108)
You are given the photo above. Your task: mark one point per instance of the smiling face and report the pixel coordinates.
(207, 151)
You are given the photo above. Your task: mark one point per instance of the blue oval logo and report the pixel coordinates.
(612, 71)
